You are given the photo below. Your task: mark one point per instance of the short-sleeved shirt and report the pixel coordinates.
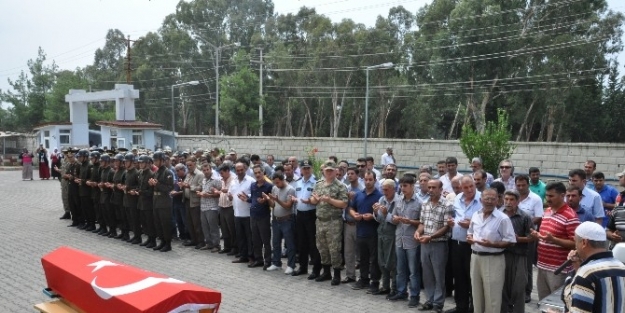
(591, 201)
(446, 180)
(224, 200)
(346, 216)
(404, 233)
(522, 224)
(434, 217)
(363, 203)
(532, 205)
(539, 188)
(561, 224)
(259, 209)
(584, 215)
(335, 190)
(207, 186)
(464, 211)
(304, 189)
(608, 194)
(241, 208)
(494, 228)
(283, 194)
(510, 184)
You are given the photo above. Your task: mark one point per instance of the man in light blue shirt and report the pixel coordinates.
(591, 200)
(465, 205)
(306, 223)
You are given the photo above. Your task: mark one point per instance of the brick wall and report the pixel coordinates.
(551, 158)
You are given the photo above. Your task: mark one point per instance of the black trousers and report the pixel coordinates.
(449, 270)
(74, 203)
(305, 225)
(104, 218)
(97, 208)
(369, 267)
(244, 236)
(162, 223)
(261, 238)
(135, 217)
(460, 253)
(111, 216)
(147, 221)
(127, 218)
(86, 204)
(228, 231)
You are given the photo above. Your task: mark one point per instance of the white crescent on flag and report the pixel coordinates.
(107, 293)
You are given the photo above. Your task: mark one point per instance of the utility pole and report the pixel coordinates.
(128, 59)
(260, 93)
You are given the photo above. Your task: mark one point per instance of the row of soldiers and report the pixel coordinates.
(115, 194)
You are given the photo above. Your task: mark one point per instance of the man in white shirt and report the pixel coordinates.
(241, 185)
(387, 157)
(452, 171)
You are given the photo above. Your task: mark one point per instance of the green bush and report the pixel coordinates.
(492, 146)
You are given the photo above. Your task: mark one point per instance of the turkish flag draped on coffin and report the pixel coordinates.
(97, 285)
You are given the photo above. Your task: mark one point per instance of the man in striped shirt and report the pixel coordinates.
(599, 281)
(555, 239)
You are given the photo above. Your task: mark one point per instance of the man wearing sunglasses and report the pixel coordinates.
(506, 174)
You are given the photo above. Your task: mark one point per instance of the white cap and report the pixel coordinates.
(591, 231)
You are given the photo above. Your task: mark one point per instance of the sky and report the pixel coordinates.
(69, 31)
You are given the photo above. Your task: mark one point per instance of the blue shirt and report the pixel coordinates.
(591, 201)
(303, 190)
(584, 215)
(346, 216)
(464, 212)
(258, 209)
(608, 195)
(363, 203)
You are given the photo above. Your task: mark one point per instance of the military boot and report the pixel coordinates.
(336, 280)
(325, 275)
(160, 246)
(151, 243)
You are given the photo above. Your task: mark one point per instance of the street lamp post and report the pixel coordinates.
(383, 65)
(173, 116)
(217, 57)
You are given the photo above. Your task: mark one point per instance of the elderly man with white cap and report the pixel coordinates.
(599, 279)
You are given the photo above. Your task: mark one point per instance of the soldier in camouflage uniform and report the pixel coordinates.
(163, 184)
(330, 196)
(65, 162)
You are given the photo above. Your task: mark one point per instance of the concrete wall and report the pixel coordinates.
(551, 158)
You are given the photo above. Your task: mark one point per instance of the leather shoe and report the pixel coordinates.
(166, 248)
(528, 299)
(189, 244)
(240, 261)
(382, 291)
(313, 275)
(65, 216)
(73, 224)
(223, 251)
(232, 252)
(299, 271)
(347, 280)
(136, 240)
(90, 228)
(256, 264)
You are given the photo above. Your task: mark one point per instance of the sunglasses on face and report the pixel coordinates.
(505, 167)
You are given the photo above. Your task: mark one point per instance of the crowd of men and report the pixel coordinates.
(434, 230)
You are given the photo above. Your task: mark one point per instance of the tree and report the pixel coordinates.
(492, 144)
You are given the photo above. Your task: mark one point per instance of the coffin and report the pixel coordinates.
(93, 284)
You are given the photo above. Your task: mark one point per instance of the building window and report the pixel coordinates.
(65, 136)
(113, 132)
(46, 139)
(137, 137)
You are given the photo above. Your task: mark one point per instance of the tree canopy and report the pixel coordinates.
(550, 65)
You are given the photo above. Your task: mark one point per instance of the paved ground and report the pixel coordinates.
(31, 228)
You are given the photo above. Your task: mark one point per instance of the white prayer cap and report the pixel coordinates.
(591, 231)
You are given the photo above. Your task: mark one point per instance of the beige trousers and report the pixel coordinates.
(487, 279)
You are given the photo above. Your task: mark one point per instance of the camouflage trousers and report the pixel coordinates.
(329, 241)
(64, 195)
